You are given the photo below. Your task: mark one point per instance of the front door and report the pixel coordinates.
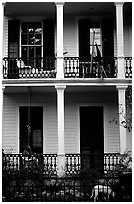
(35, 138)
(92, 135)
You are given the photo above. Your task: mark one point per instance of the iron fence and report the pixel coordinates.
(34, 178)
(67, 189)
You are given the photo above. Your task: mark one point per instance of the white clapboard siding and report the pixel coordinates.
(72, 129)
(128, 41)
(51, 129)
(70, 40)
(71, 133)
(112, 129)
(9, 125)
(5, 37)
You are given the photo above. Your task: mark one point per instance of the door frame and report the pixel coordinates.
(44, 125)
(103, 105)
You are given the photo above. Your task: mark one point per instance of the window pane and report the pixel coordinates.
(95, 38)
(31, 39)
(31, 33)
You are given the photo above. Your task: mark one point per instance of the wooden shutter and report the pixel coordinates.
(108, 45)
(48, 38)
(13, 48)
(13, 38)
(84, 38)
(107, 38)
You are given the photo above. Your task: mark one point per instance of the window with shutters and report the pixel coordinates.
(31, 41)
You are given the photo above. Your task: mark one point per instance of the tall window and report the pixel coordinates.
(31, 40)
(95, 38)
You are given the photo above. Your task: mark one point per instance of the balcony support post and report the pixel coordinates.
(60, 121)
(60, 68)
(120, 39)
(122, 117)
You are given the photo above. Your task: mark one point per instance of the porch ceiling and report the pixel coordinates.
(48, 8)
(51, 89)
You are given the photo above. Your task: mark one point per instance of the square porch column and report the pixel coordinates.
(60, 120)
(59, 14)
(122, 116)
(120, 39)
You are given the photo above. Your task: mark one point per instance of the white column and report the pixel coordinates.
(120, 39)
(60, 68)
(122, 116)
(60, 120)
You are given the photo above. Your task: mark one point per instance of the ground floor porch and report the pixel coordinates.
(71, 131)
(65, 119)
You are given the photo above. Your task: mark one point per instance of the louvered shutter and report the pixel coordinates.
(13, 47)
(107, 38)
(84, 38)
(48, 38)
(108, 46)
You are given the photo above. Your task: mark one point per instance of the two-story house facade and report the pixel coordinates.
(66, 68)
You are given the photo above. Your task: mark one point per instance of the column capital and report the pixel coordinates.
(59, 3)
(60, 87)
(118, 3)
(4, 4)
(3, 89)
(121, 87)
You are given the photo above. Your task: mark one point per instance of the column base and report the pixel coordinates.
(61, 164)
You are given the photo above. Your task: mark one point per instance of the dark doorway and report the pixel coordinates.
(92, 135)
(35, 140)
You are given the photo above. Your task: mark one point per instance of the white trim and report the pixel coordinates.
(44, 128)
(104, 122)
(18, 130)
(77, 36)
(20, 40)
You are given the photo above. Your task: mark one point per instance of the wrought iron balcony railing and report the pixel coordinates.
(128, 67)
(47, 162)
(29, 68)
(105, 163)
(82, 67)
(73, 162)
(74, 67)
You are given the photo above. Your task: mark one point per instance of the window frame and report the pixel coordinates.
(34, 46)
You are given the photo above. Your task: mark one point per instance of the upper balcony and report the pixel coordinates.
(89, 41)
(74, 67)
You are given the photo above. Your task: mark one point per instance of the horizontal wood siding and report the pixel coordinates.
(72, 130)
(51, 129)
(5, 37)
(128, 40)
(70, 40)
(72, 122)
(11, 125)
